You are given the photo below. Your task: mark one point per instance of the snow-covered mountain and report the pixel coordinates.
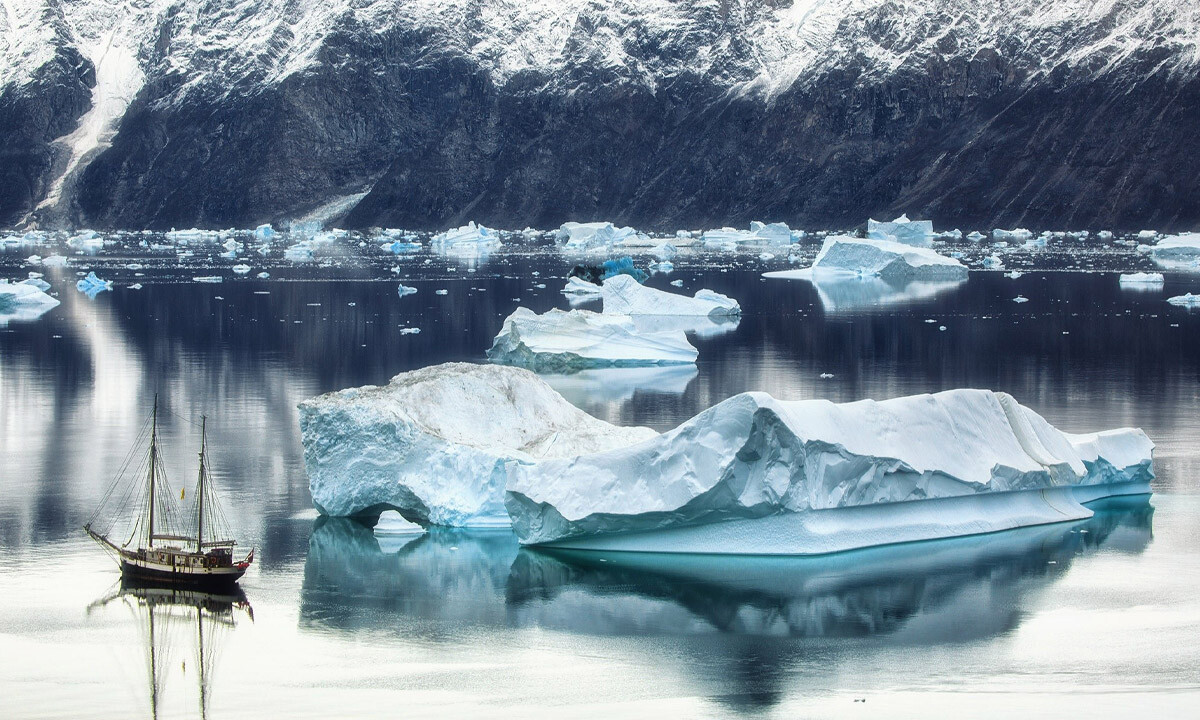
(422, 113)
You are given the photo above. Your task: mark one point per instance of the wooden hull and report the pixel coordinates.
(196, 577)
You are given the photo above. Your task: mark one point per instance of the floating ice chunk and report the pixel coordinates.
(623, 295)
(443, 291)
(665, 267)
(1104, 235)
(901, 230)
(1177, 251)
(1013, 274)
(580, 288)
(400, 246)
(470, 241)
(677, 283)
(54, 261)
(435, 443)
(976, 236)
(36, 282)
(1189, 300)
(1147, 234)
(207, 279)
(993, 261)
(92, 285)
(1017, 235)
(666, 251)
(756, 475)
(847, 256)
(954, 234)
(23, 301)
(299, 252)
(191, 235)
(1020, 299)
(405, 290)
(264, 232)
(560, 340)
(775, 233)
(263, 275)
(1141, 278)
(34, 259)
(231, 244)
(135, 286)
(410, 331)
(597, 236)
(393, 523)
(241, 269)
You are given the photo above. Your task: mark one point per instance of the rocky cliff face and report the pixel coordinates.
(1076, 113)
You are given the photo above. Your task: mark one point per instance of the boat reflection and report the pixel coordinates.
(174, 618)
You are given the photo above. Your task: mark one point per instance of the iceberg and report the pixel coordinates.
(1142, 279)
(264, 232)
(596, 236)
(23, 302)
(1177, 251)
(848, 294)
(1188, 301)
(468, 242)
(403, 290)
(54, 261)
(1018, 234)
(843, 256)
(241, 269)
(624, 295)
(559, 340)
(901, 230)
(92, 285)
(435, 444)
(207, 279)
(579, 289)
(756, 475)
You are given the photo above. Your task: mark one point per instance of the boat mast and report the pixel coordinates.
(200, 490)
(153, 462)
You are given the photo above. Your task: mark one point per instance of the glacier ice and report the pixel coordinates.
(92, 285)
(593, 236)
(901, 230)
(1188, 300)
(754, 474)
(559, 340)
(23, 302)
(1018, 234)
(435, 443)
(623, 295)
(843, 256)
(1141, 278)
(760, 233)
(1177, 251)
(468, 242)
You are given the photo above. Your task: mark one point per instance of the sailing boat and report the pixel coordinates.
(156, 550)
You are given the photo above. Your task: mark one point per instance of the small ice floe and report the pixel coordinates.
(1188, 301)
(441, 292)
(410, 331)
(976, 236)
(34, 259)
(1020, 299)
(92, 285)
(677, 283)
(1147, 235)
(1017, 234)
(405, 290)
(264, 232)
(135, 286)
(207, 278)
(1141, 278)
(241, 269)
(579, 289)
(1013, 274)
(23, 301)
(826, 376)
(263, 275)
(1104, 235)
(54, 261)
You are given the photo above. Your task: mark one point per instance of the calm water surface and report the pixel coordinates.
(1097, 618)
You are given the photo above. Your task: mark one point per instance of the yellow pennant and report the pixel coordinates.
(181, 491)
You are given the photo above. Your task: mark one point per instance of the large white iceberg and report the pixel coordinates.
(435, 444)
(1141, 280)
(901, 230)
(843, 256)
(560, 340)
(624, 295)
(591, 236)
(758, 475)
(470, 241)
(760, 233)
(1178, 251)
(23, 302)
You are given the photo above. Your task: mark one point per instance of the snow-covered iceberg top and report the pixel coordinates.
(560, 340)
(623, 295)
(901, 230)
(843, 256)
(434, 443)
(758, 475)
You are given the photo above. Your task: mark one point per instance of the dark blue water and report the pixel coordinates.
(1098, 617)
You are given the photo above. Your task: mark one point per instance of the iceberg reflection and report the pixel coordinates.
(852, 294)
(599, 387)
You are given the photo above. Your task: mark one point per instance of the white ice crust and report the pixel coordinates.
(624, 295)
(756, 474)
(902, 230)
(434, 443)
(23, 301)
(560, 340)
(843, 256)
